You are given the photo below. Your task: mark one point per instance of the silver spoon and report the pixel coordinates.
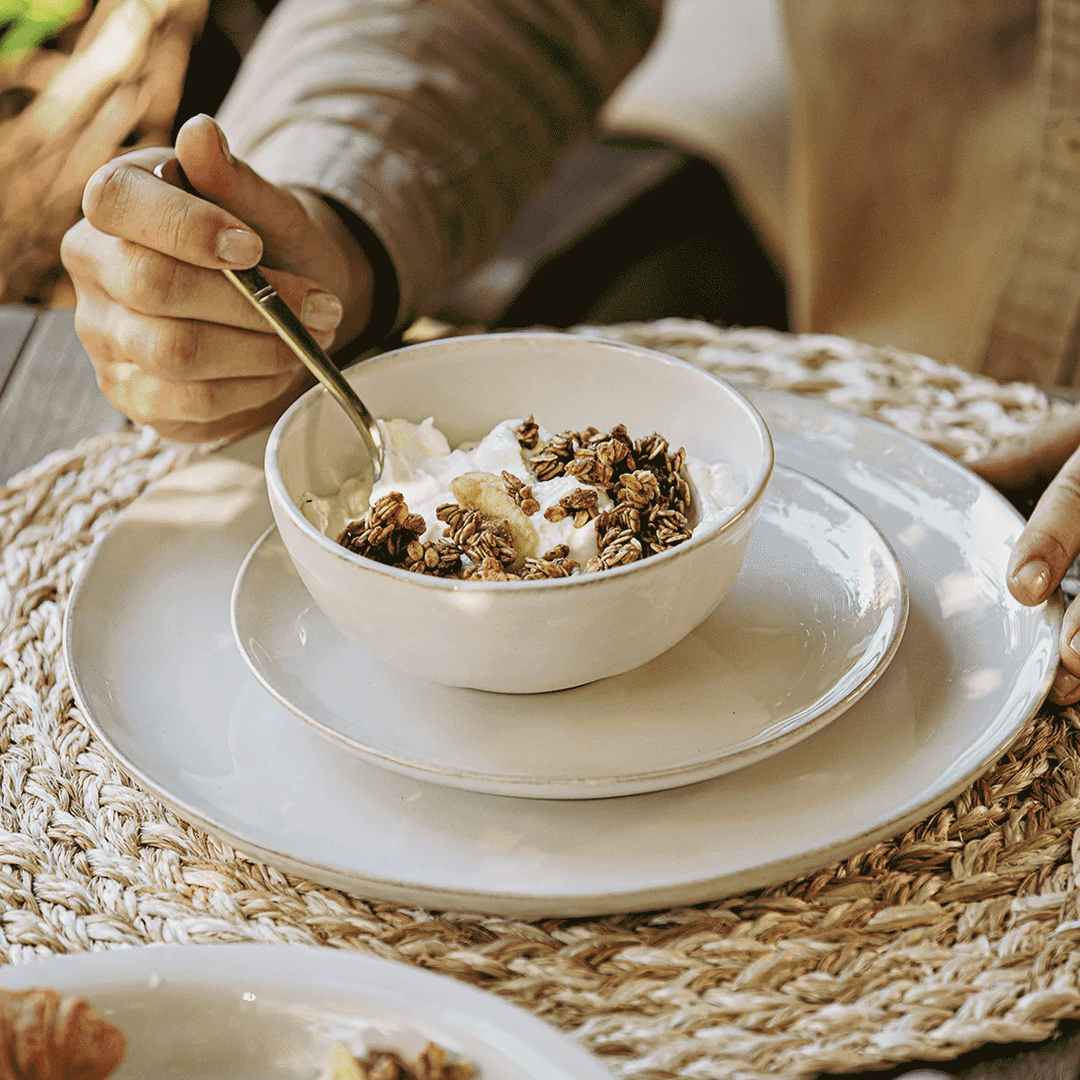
(292, 331)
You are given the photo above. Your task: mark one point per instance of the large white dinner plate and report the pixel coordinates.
(157, 674)
(811, 623)
(249, 1012)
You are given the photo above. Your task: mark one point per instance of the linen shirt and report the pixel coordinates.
(932, 189)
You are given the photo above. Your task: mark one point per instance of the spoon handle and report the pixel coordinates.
(264, 297)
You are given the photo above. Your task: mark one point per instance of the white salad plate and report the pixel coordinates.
(813, 619)
(249, 1012)
(157, 675)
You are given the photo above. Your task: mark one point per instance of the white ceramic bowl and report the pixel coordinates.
(530, 636)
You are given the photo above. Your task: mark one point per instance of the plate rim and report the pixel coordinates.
(742, 754)
(523, 904)
(222, 966)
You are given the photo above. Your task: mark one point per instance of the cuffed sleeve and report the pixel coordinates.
(431, 120)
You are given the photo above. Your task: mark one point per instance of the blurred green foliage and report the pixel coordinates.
(25, 24)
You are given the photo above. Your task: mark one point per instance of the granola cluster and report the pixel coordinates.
(389, 534)
(486, 529)
(433, 1063)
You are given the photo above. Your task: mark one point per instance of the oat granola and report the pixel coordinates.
(632, 491)
(433, 1063)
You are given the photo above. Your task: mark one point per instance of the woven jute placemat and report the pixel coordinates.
(965, 930)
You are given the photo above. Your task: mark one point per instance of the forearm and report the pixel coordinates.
(431, 120)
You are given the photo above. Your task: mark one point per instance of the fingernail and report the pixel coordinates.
(321, 311)
(238, 246)
(224, 142)
(1065, 686)
(1033, 578)
(1074, 644)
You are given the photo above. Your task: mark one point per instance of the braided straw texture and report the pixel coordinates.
(963, 931)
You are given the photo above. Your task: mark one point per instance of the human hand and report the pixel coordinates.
(1039, 560)
(173, 343)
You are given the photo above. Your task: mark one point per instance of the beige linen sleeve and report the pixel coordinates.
(913, 131)
(430, 120)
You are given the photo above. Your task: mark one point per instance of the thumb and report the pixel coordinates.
(1051, 539)
(287, 232)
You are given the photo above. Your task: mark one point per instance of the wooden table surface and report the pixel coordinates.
(49, 400)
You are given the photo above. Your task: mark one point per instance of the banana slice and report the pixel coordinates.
(341, 1064)
(487, 493)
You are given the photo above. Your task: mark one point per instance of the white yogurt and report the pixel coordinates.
(420, 464)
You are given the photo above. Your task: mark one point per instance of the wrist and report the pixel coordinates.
(370, 290)
(349, 272)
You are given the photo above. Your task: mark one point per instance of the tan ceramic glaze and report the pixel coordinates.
(520, 637)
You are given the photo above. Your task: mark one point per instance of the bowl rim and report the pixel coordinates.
(750, 500)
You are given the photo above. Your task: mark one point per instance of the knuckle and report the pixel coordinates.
(166, 348)
(176, 223)
(107, 192)
(117, 390)
(149, 347)
(200, 401)
(129, 389)
(184, 348)
(86, 328)
(125, 341)
(150, 280)
(140, 404)
(106, 378)
(1068, 490)
(1053, 531)
(96, 331)
(72, 255)
(1048, 545)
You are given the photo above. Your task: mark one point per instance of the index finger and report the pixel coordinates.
(127, 201)
(1051, 540)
